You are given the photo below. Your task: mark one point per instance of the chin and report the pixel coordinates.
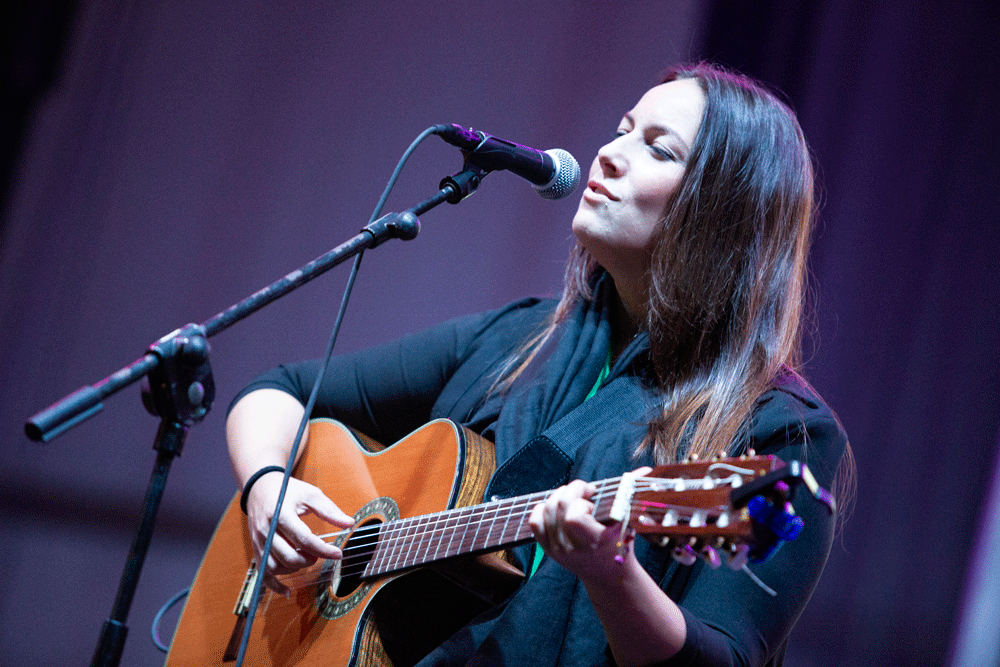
(586, 224)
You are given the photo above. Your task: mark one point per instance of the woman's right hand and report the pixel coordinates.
(294, 545)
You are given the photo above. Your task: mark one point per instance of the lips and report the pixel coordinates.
(596, 187)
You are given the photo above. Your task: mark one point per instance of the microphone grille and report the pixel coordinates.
(566, 178)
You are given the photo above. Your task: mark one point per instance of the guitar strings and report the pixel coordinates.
(395, 535)
(398, 533)
(354, 564)
(508, 509)
(399, 530)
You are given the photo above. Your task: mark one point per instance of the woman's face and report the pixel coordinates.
(631, 180)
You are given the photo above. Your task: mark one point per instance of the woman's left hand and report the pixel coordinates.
(564, 526)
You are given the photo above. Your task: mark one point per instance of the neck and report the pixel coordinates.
(624, 327)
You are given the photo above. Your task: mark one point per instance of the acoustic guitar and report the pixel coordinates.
(421, 559)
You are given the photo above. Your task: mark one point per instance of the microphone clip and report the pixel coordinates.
(464, 183)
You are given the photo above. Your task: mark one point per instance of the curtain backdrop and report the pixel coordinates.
(898, 102)
(190, 153)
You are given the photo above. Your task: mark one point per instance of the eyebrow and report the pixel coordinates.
(662, 129)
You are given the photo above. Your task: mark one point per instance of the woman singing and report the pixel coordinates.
(678, 333)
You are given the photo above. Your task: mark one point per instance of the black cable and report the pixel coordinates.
(255, 600)
(155, 628)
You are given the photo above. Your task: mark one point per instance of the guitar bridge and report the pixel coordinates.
(240, 611)
(246, 593)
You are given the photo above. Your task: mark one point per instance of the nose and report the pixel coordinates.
(611, 158)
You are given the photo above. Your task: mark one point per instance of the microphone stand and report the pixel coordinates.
(179, 387)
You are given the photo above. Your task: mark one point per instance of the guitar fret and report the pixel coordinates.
(467, 521)
(459, 520)
(428, 536)
(436, 536)
(503, 531)
(515, 518)
(406, 540)
(523, 528)
(446, 530)
(407, 545)
(440, 526)
(417, 551)
(391, 529)
(508, 509)
(477, 539)
(382, 546)
(489, 518)
(471, 526)
(402, 539)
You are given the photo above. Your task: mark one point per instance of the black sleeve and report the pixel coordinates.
(731, 620)
(387, 391)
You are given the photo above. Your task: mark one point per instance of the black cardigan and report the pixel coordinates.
(450, 371)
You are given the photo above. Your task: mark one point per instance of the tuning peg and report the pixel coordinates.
(738, 556)
(710, 556)
(780, 520)
(685, 554)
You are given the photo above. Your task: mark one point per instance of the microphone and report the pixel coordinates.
(554, 173)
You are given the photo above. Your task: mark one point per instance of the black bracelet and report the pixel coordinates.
(250, 482)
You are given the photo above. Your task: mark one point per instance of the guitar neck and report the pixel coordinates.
(410, 542)
(688, 502)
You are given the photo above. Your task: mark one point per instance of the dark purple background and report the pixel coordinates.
(190, 153)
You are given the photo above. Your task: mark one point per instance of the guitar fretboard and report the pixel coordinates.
(405, 543)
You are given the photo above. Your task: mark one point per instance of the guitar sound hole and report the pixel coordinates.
(358, 551)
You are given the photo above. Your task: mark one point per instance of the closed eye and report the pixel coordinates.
(662, 153)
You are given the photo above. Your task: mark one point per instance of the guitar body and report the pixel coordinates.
(391, 621)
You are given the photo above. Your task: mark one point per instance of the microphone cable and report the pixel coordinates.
(255, 600)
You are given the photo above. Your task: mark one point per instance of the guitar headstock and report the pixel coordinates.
(737, 509)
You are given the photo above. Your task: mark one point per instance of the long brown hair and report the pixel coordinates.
(727, 279)
(728, 275)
